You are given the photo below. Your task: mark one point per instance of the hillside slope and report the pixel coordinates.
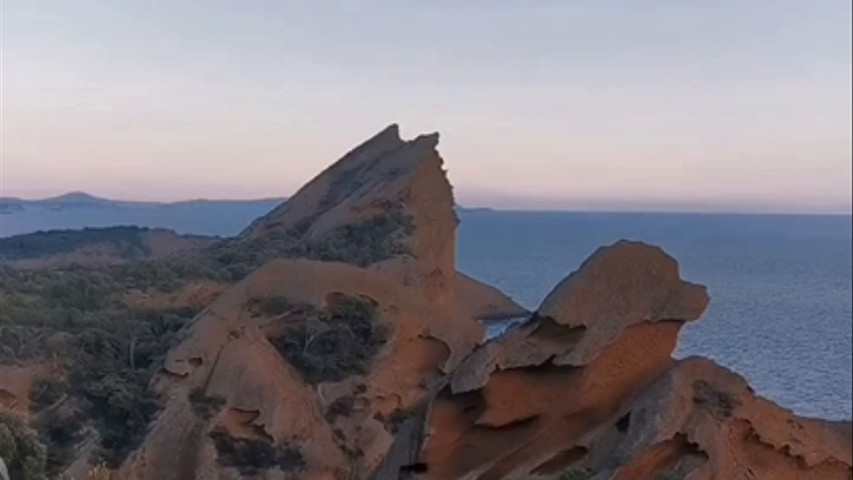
(96, 246)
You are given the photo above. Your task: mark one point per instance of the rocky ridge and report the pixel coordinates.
(585, 388)
(353, 349)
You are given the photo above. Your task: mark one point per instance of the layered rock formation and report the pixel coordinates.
(387, 208)
(375, 366)
(587, 388)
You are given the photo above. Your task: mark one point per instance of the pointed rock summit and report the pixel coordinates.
(387, 203)
(313, 360)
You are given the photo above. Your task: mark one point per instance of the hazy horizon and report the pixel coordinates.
(580, 208)
(583, 106)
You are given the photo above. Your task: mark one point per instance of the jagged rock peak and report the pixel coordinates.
(388, 139)
(386, 202)
(375, 173)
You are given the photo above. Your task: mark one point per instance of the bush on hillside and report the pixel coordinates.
(334, 343)
(20, 449)
(127, 241)
(576, 474)
(252, 456)
(203, 405)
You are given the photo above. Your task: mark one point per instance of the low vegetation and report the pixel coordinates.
(205, 406)
(334, 343)
(341, 407)
(47, 391)
(721, 405)
(362, 243)
(107, 351)
(577, 474)
(367, 242)
(20, 448)
(252, 456)
(126, 241)
(59, 430)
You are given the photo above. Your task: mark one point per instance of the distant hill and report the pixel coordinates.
(68, 200)
(77, 210)
(96, 246)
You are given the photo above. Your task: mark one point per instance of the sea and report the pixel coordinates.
(781, 286)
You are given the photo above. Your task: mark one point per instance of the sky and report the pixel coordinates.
(706, 105)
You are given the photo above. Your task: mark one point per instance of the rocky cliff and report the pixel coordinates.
(376, 367)
(587, 389)
(316, 363)
(336, 341)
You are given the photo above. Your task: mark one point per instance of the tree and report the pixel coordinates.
(20, 449)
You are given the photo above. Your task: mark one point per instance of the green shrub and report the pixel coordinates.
(366, 242)
(121, 407)
(362, 243)
(577, 474)
(334, 343)
(20, 448)
(252, 456)
(205, 406)
(110, 351)
(341, 407)
(127, 241)
(46, 391)
(59, 430)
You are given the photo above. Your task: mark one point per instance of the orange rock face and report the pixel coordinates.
(406, 387)
(230, 386)
(587, 388)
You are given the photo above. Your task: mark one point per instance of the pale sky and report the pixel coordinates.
(720, 105)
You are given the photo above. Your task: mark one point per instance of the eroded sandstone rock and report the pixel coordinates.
(242, 380)
(374, 366)
(587, 388)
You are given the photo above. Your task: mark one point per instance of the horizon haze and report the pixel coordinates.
(82, 198)
(624, 106)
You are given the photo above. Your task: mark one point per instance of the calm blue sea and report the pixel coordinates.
(780, 286)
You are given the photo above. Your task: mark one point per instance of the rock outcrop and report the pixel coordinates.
(375, 366)
(587, 388)
(254, 376)
(387, 200)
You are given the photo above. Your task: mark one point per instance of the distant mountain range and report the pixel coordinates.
(85, 200)
(78, 210)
